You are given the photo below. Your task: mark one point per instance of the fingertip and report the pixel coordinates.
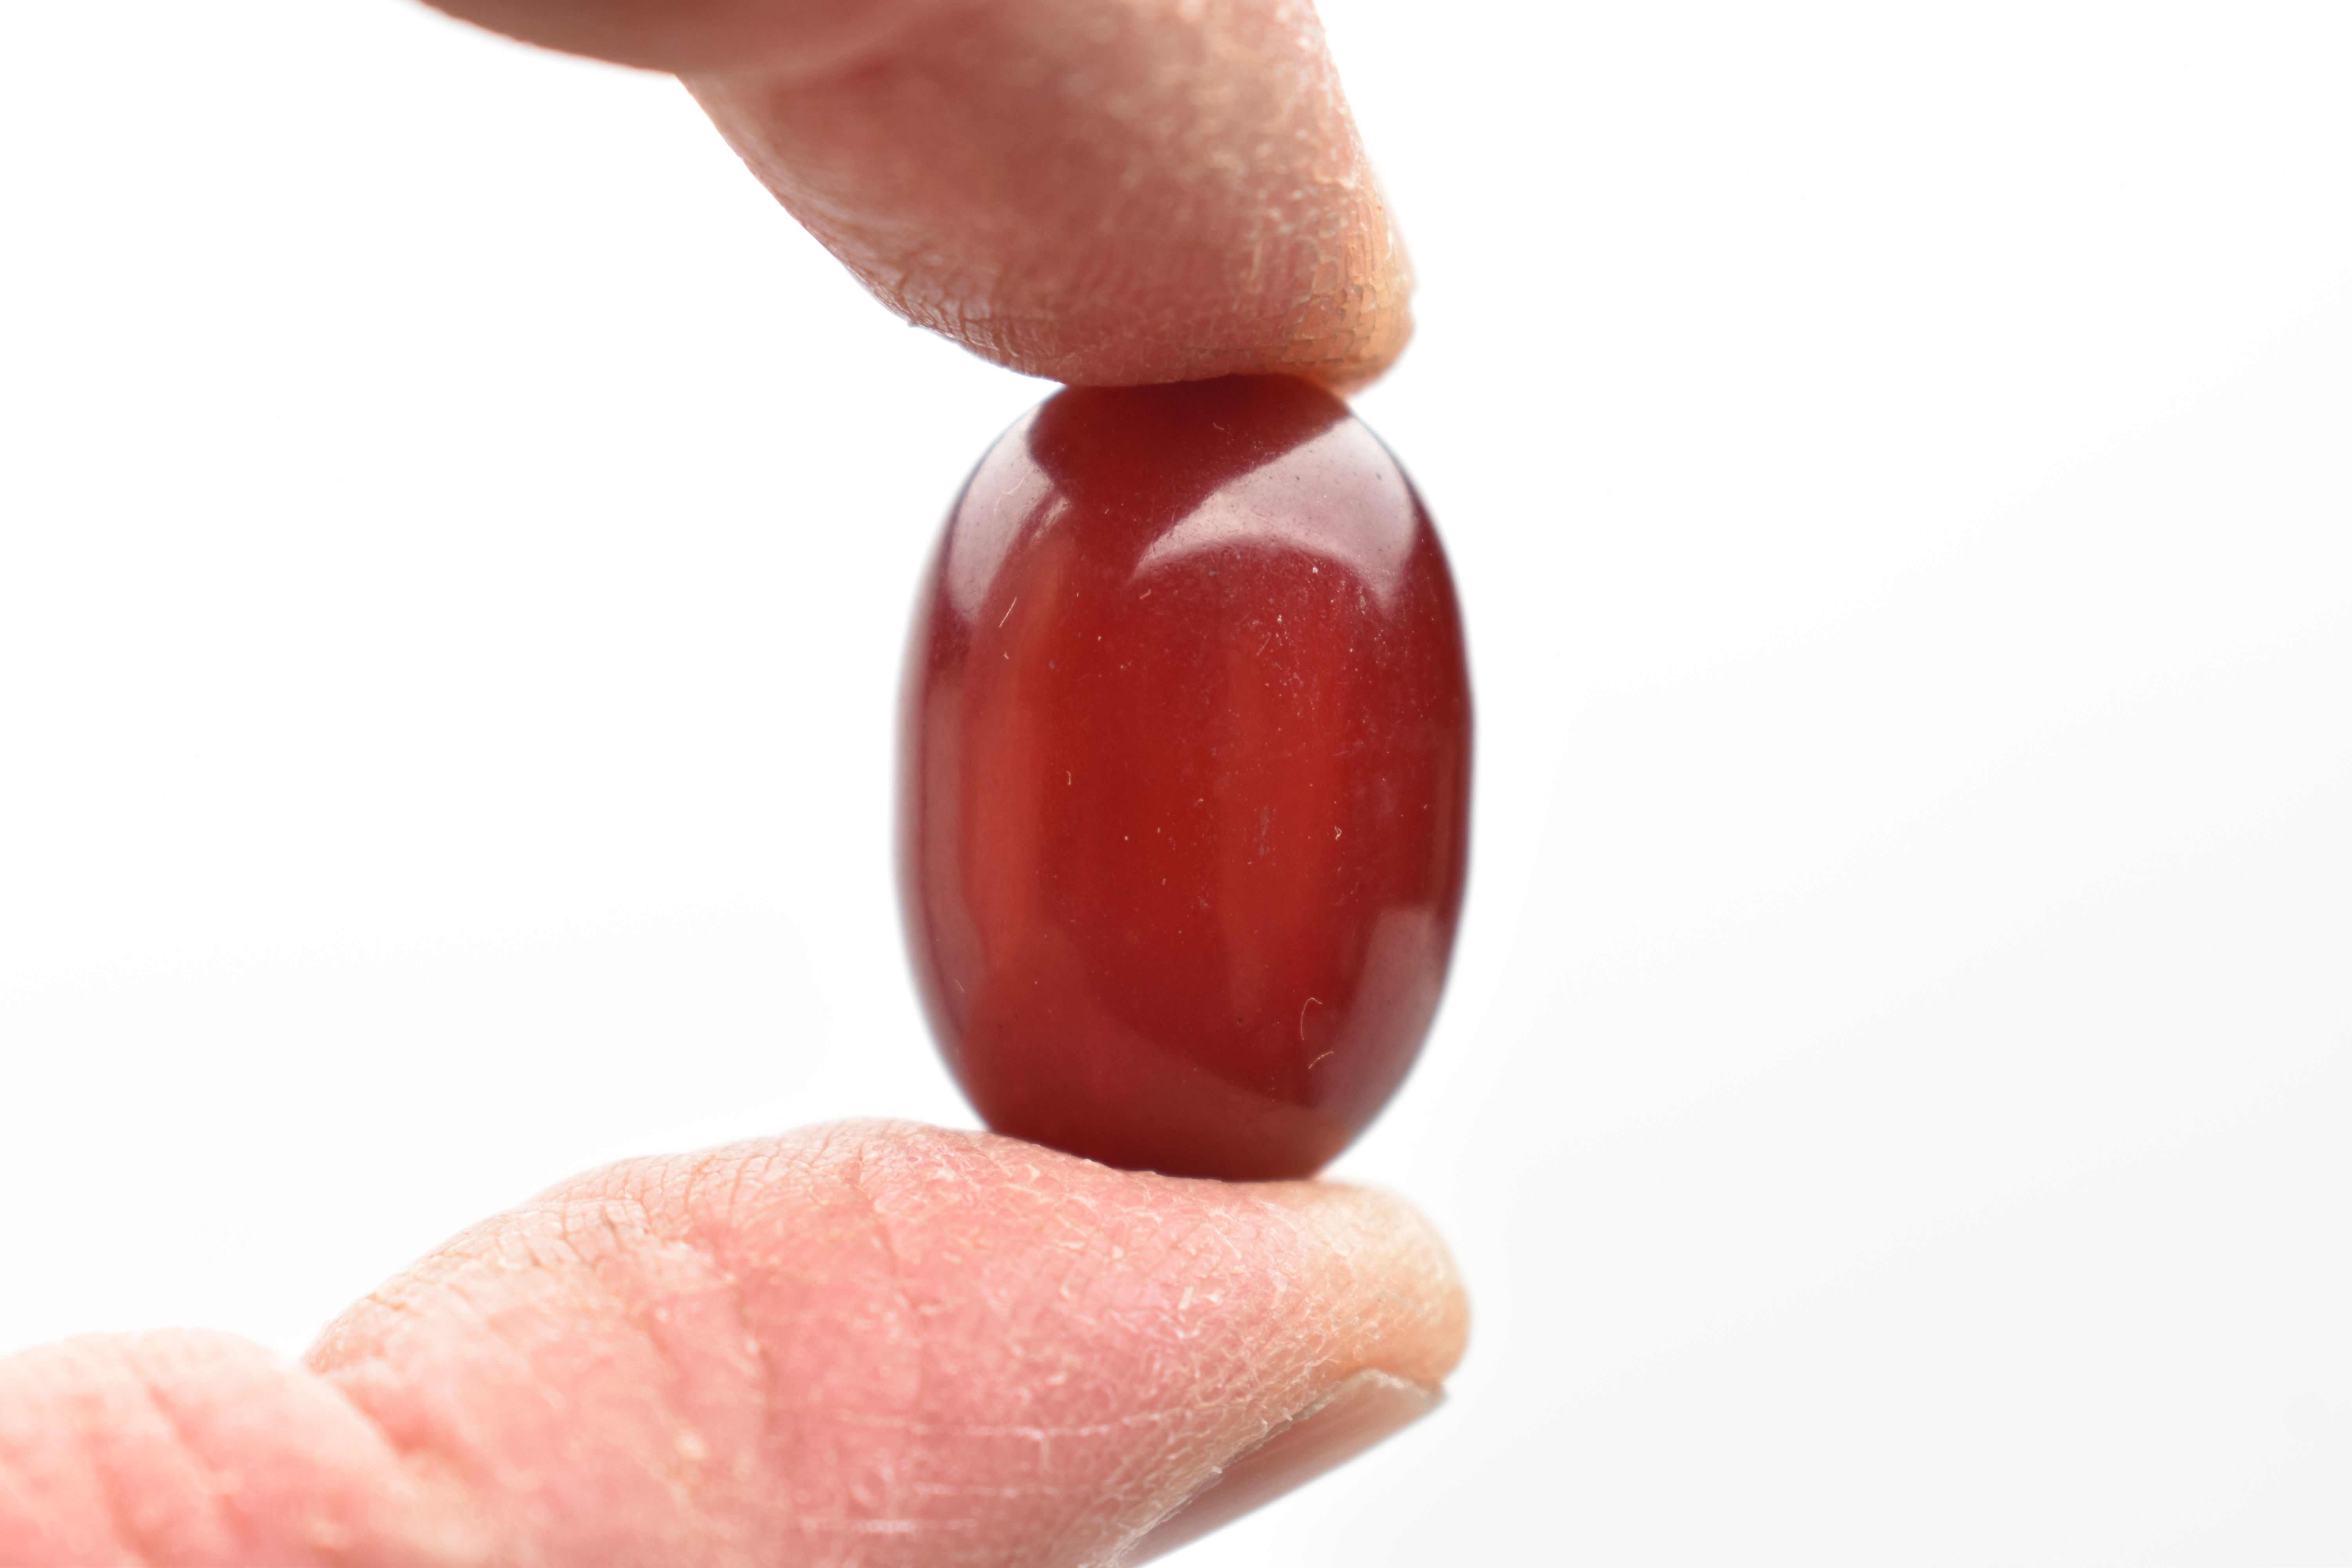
(1096, 193)
(1058, 1352)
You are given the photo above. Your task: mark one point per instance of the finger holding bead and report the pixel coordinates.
(1102, 192)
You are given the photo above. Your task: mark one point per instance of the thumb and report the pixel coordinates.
(876, 1342)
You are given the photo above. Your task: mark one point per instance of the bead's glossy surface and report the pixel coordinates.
(1184, 778)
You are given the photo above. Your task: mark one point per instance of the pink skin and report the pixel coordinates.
(878, 1345)
(873, 1345)
(1109, 192)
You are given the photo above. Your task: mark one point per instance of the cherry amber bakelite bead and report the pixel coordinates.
(1185, 778)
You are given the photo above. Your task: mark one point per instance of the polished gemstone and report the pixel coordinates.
(1185, 778)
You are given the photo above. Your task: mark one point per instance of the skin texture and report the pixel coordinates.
(1104, 192)
(875, 1344)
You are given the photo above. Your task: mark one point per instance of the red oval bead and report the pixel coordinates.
(1185, 778)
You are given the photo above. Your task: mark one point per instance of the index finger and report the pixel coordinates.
(1101, 192)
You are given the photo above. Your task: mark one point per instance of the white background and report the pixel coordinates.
(456, 536)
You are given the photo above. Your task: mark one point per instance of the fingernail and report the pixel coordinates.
(1358, 1414)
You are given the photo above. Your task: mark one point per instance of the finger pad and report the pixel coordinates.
(912, 1340)
(1101, 194)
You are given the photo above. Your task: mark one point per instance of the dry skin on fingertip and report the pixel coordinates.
(875, 1342)
(1097, 191)
(949, 1348)
(1106, 192)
